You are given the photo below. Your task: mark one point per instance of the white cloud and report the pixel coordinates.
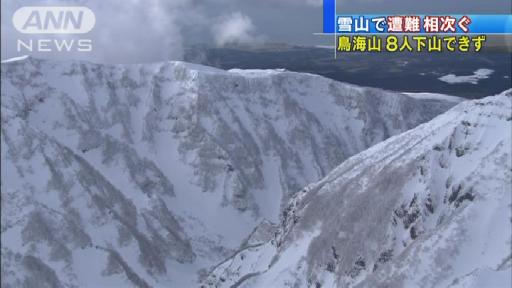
(126, 31)
(473, 79)
(236, 28)
(138, 31)
(316, 3)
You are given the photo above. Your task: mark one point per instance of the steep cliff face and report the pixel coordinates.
(428, 208)
(152, 172)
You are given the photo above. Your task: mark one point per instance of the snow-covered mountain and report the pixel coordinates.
(428, 208)
(145, 174)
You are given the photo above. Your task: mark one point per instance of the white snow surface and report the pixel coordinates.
(13, 59)
(426, 95)
(150, 175)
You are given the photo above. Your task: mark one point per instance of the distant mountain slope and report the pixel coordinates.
(428, 208)
(145, 174)
(406, 72)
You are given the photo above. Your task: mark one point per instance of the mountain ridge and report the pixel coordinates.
(156, 171)
(438, 180)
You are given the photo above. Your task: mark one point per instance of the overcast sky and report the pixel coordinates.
(129, 31)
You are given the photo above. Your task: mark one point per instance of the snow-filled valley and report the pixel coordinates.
(179, 175)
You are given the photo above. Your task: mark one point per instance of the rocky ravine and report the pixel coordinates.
(145, 174)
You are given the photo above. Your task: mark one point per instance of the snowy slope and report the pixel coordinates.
(153, 172)
(434, 96)
(428, 208)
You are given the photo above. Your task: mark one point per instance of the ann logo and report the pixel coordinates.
(50, 21)
(54, 20)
